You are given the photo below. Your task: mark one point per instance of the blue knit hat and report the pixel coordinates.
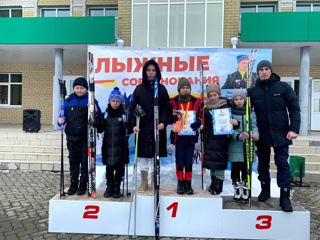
(81, 81)
(242, 57)
(116, 95)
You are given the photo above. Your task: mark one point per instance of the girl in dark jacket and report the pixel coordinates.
(216, 146)
(113, 145)
(143, 95)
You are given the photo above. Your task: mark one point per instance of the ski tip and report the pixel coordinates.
(93, 194)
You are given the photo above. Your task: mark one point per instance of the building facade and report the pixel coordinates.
(28, 65)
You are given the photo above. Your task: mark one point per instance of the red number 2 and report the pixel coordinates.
(175, 208)
(93, 214)
(265, 223)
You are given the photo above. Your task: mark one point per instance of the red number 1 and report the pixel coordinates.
(175, 208)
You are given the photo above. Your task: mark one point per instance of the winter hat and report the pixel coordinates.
(240, 93)
(116, 95)
(242, 57)
(264, 63)
(183, 82)
(213, 88)
(81, 81)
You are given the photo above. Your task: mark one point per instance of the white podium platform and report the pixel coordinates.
(201, 215)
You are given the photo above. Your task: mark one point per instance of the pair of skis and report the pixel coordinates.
(91, 132)
(249, 143)
(202, 129)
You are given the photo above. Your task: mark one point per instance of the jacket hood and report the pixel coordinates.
(273, 78)
(155, 64)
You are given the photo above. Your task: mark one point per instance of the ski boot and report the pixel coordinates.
(82, 188)
(285, 200)
(73, 188)
(211, 187)
(218, 185)
(116, 189)
(265, 191)
(144, 182)
(180, 187)
(237, 186)
(245, 192)
(109, 191)
(188, 187)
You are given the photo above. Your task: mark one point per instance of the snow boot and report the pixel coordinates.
(109, 191)
(265, 191)
(212, 183)
(144, 182)
(218, 185)
(180, 187)
(188, 187)
(116, 189)
(245, 192)
(237, 186)
(152, 182)
(285, 200)
(82, 188)
(73, 188)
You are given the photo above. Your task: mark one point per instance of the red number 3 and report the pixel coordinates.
(93, 214)
(265, 222)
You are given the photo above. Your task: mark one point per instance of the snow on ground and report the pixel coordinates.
(168, 176)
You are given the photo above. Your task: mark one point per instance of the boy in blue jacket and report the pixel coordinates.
(76, 120)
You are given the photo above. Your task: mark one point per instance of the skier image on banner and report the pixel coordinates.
(236, 153)
(143, 95)
(185, 143)
(278, 121)
(76, 120)
(216, 146)
(113, 143)
(239, 78)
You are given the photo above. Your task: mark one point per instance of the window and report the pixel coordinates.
(163, 23)
(106, 11)
(55, 12)
(10, 12)
(308, 7)
(10, 89)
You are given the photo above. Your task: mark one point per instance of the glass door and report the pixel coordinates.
(315, 105)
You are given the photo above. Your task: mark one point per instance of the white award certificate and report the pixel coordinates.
(191, 118)
(221, 121)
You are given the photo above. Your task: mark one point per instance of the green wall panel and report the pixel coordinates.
(57, 30)
(85, 30)
(27, 30)
(275, 27)
(314, 26)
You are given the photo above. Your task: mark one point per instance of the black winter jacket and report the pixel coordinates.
(143, 95)
(272, 100)
(216, 146)
(114, 139)
(76, 117)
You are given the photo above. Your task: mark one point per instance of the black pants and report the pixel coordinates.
(114, 172)
(236, 168)
(78, 160)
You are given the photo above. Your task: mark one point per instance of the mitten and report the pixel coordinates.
(173, 118)
(195, 125)
(255, 137)
(243, 136)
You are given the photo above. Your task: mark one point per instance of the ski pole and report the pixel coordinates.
(63, 93)
(138, 113)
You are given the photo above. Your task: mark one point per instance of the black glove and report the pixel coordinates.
(173, 118)
(126, 125)
(195, 125)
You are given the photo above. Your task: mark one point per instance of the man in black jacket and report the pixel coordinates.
(275, 103)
